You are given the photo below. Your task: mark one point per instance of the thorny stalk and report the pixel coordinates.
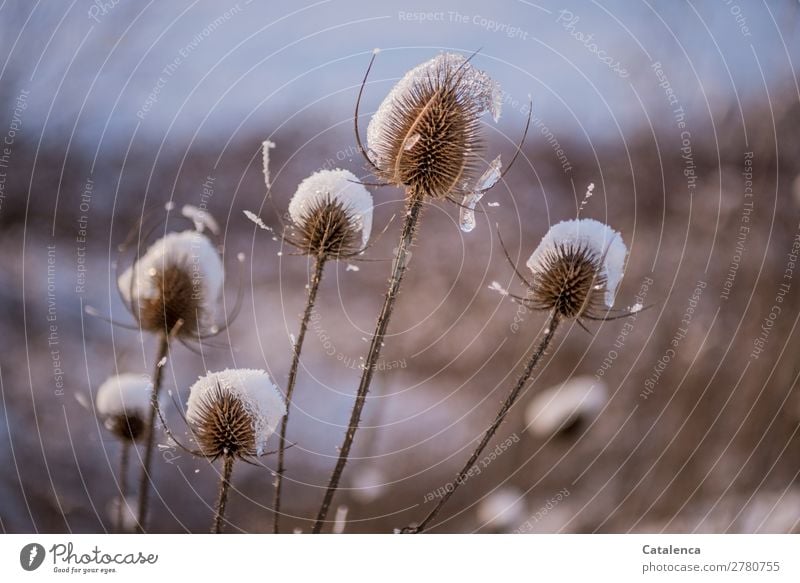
(150, 436)
(124, 457)
(222, 497)
(316, 278)
(399, 266)
(498, 420)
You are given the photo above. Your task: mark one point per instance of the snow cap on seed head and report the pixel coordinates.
(424, 136)
(234, 412)
(179, 277)
(329, 209)
(123, 402)
(575, 259)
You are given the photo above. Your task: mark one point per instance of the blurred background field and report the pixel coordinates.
(111, 110)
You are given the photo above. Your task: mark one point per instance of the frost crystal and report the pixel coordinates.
(476, 84)
(495, 286)
(487, 180)
(188, 250)
(254, 388)
(125, 394)
(598, 237)
(257, 220)
(202, 219)
(636, 308)
(337, 185)
(266, 145)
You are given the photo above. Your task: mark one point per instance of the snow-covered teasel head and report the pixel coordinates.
(175, 285)
(123, 403)
(425, 134)
(332, 214)
(233, 412)
(561, 408)
(577, 263)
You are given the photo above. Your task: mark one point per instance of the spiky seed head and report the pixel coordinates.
(577, 268)
(123, 402)
(331, 214)
(178, 279)
(223, 425)
(126, 427)
(425, 135)
(569, 281)
(327, 231)
(234, 412)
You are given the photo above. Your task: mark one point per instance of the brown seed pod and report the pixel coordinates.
(425, 136)
(233, 412)
(327, 231)
(223, 424)
(126, 427)
(570, 281)
(175, 301)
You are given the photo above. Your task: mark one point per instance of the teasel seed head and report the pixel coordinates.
(178, 280)
(425, 135)
(233, 412)
(332, 215)
(123, 402)
(576, 269)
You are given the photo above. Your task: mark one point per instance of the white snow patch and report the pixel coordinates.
(558, 406)
(495, 286)
(487, 180)
(124, 394)
(266, 146)
(503, 510)
(201, 218)
(368, 484)
(257, 220)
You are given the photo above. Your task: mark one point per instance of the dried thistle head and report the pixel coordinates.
(425, 135)
(178, 280)
(568, 281)
(332, 215)
(233, 412)
(576, 269)
(123, 402)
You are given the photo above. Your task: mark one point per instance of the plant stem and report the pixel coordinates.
(316, 278)
(399, 266)
(150, 438)
(124, 456)
(222, 497)
(498, 420)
